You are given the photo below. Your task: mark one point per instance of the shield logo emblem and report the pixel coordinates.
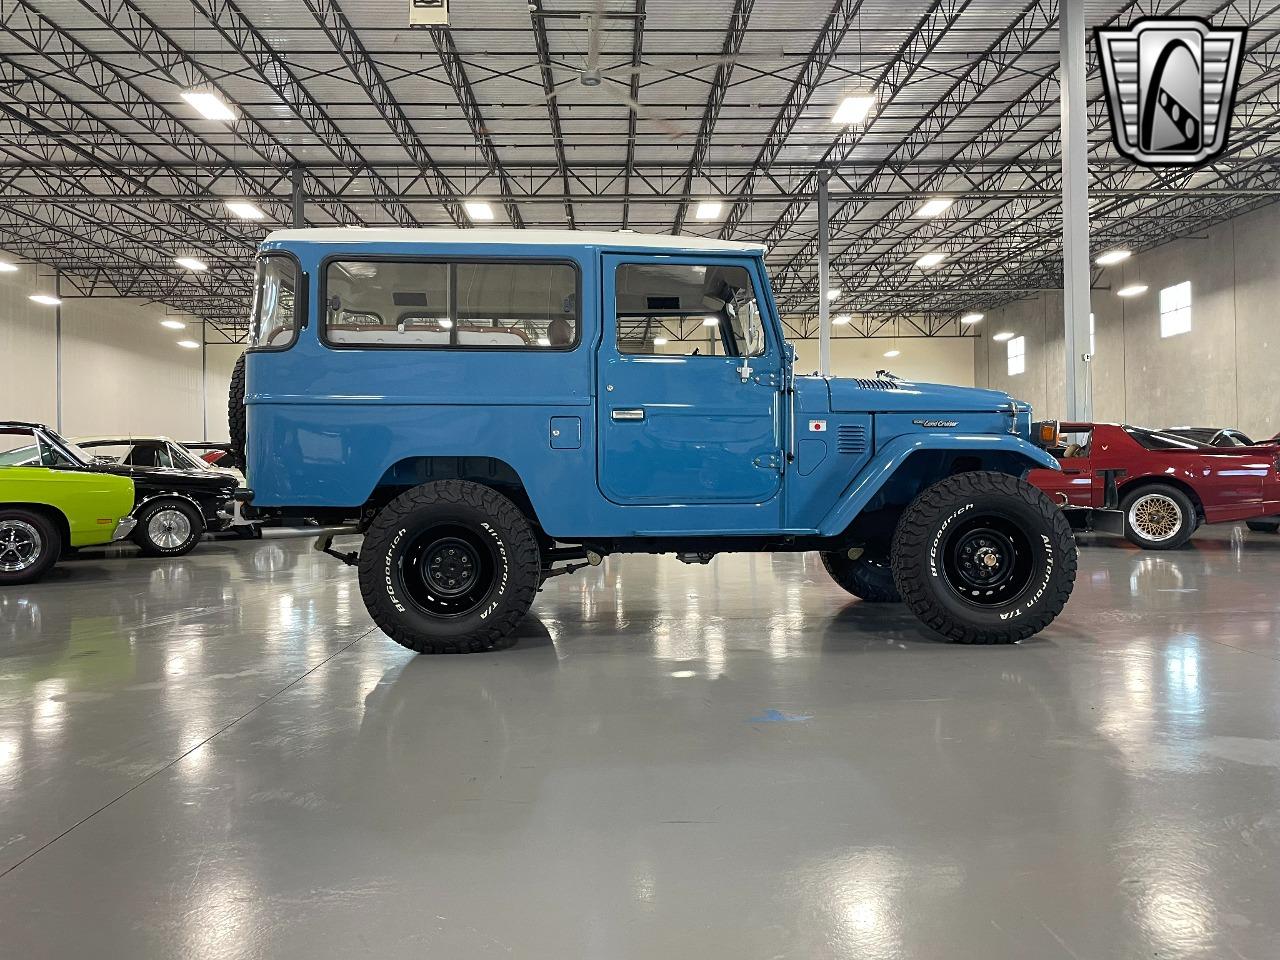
(1170, 85)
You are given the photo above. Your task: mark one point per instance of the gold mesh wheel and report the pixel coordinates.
(1156, 517)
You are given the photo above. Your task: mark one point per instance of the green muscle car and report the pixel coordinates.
(43, 511)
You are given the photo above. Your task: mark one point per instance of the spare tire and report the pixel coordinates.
(236, 428)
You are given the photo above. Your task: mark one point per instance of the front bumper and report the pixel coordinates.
(124, 528)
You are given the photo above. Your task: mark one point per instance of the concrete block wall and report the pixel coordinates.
(1221, 373)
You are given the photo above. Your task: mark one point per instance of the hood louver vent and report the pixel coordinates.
(851, 438)
(875, 384)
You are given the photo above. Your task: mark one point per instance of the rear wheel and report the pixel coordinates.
(168, 528)
(984, 558)
(868, 578)
(449, 567)
(1263, 526)
(236, 420)
(29, 545)
(1158, 517)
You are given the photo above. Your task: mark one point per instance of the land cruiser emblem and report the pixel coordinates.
(936, 423)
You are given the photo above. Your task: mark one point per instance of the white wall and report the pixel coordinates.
(924, 359)
(121, 371)
(1222, 373)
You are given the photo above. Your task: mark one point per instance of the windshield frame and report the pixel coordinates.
(300, 301)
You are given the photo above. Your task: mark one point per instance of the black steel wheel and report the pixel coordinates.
(449, 567)
(984, 558)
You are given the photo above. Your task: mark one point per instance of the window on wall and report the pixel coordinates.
(1017, 356)
(1175, 309)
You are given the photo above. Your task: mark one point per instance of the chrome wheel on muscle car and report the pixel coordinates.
(20, 545)
(168, 527)
(29, 545)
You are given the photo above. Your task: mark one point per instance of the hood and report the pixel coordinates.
(170, 477)
(858, 395)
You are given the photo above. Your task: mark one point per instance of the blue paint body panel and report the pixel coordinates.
(714, 455)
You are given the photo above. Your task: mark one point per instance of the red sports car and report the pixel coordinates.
(1167, 485)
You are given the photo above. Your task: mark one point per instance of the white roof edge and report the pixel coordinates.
(598, 238)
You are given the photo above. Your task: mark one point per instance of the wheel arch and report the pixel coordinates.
(50, 512)
(492, 472)
(907, 465)
(159, 496)
(1132, 485)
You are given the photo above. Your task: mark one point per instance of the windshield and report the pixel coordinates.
(183, 458)
(274, 320)
(50, 450)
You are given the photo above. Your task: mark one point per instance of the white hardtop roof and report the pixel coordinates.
(621, 239)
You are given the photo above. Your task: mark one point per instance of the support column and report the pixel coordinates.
(57, 347)
(1075, 212)
(824, 276)
(299, 198)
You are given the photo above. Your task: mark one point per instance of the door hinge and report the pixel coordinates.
(767, 379)
(769, 462)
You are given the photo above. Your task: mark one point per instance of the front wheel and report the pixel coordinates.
(984, 558)
(1158, 517)
(868, 578)
(449, 567)
(29, 545)
(168, 528)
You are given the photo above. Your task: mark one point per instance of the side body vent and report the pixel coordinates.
(875, 384)
(851, 438)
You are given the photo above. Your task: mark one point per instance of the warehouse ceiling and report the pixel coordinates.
(107, 173)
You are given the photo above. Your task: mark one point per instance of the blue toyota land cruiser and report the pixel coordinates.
(495, 407)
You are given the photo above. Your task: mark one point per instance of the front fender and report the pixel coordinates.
(1004, 450)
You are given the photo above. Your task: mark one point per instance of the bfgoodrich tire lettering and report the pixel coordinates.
(449, 567)
(984, 558)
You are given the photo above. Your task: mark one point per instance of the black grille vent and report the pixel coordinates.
(851, 438)
(875, 384)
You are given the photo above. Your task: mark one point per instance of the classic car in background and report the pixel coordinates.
(45, 511)
(1167, 485)
(173, 507)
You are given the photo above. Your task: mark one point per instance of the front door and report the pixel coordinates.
(690, 401)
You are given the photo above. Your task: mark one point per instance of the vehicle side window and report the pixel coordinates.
(1154, 440)
(498, 304)
(687, 310)
(275, 317)
(1073, 445)
(149, 455)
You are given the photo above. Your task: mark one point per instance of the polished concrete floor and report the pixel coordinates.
(219, 757)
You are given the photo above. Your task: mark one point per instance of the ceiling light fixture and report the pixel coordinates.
(934, 207)
(209, 105)
(173, 324)
(972, 317)
(711, 322)
(46, 299)
(1003, 336)
(191, 263)
(544, 341)
(1112, 257)
(841, 320)
(708, 210)
(893, 353)
(446, 323)
(834, 293)
(1132, 290)
(660, 341)
(854, 108)
(6, 267)
(188, 344)
(930, 260)
(245, 210)
(478, 210)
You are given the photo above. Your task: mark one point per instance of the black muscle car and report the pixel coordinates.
(173, 508)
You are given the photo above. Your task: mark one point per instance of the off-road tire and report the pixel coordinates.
(478, 509)
(867, 578)
(1186, 509)
(50, 545)
(142, 532)
(1263, 526)
(933, 520)
(236, 419)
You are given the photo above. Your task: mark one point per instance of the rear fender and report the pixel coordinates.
(907, 464)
